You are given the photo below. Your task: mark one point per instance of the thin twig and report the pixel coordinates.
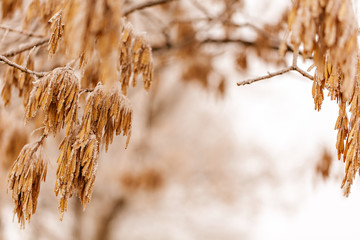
(274, 74)
(5, 60)
(20, 31)
(25, 47)
(270, 75)
(145, 5)
(302, 72)
(245, 43)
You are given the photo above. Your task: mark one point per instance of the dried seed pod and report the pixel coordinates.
(119, 118)
(57, 29)
(57, 94)
(135, 59)
(24, 181)
(328, 32)
(76, 170)
(85, 174)
(18, 79)
(106, 114)
(65, 173)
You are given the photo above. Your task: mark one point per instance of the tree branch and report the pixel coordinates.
(293, 67)
(20, 31)
(145, 5)
(5, 60)
(270, 75)
(25, 47)
(240, 41)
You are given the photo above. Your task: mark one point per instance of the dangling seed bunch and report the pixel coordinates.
(57, 94)
(107, 49)
(105, 114)
(327, 30)
(24, 181)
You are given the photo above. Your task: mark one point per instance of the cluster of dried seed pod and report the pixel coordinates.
(76, 170)
(16, 78)
(57, 94)
(91, 37)
(105, 114)
(57, 29)
(351, 150)
(327, 30)
(24, 181)
(135, 58)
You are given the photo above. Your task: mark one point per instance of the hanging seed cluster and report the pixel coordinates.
(19, 80)
(135, 58)
(24, 181)
(107, 50)
(327, 30)
(57, 95)
(57, 29)
(76, 170)
(105, 113)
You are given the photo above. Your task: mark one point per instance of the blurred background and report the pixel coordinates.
(207, 159)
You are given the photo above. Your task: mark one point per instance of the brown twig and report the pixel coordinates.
(145, 5)
(293, 67)
(20, 31)
(26, 47)
(5, 60)
(269, 75)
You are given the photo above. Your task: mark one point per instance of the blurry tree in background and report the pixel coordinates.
(70, 70)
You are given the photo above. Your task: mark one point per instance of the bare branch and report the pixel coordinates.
(20, 31)
(302, 72)
(270, 75)
(240, 41)
(5, 60)
(145, 5)
(26, 47)
(274, 74)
